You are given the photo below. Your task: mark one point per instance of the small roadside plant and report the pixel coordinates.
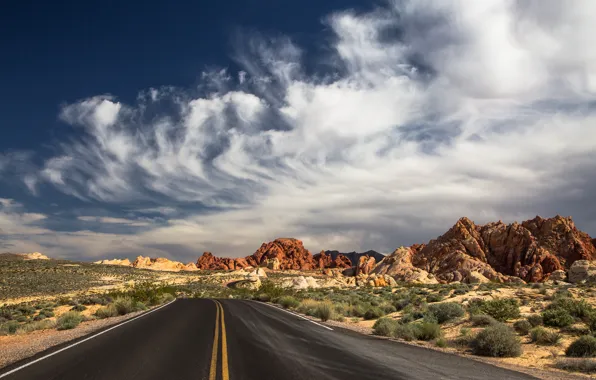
(289, 302)
(583, 347)
(69, 320)
(522, 327)
(373, 313)
(106, 312)
(502, 309)
(427, 330)
(446, 312)
(542, 336)
(324, 311)
(482, 320)
(405, 332)
(385, 326)
(535, 320)
(557, 318)
(496, 341)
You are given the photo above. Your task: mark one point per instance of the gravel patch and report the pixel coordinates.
(18, 347)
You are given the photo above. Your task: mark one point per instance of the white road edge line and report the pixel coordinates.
(297, 315)
(82, 341)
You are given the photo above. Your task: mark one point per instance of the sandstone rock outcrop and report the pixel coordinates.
(280, 254)
(399, 266)
(529, 251)
(34, 256)
(582, 271)
(365, 265)
(123, 262)
(160, 263)
(354, 257)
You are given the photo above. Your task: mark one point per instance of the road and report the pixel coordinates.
(242, 340)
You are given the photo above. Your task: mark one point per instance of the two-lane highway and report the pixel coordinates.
(242, 340)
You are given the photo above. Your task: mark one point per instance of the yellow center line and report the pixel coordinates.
(213, 370)
(224, 347)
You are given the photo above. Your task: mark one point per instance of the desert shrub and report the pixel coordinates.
(272, 289)
(79, 308)
(401, 303)
(21, 318)
(374, 313)
(263, 297)
(482, 320)
(522, 327)
(324, 311)
(165, 298)
(388, 308)
(584, 365)
(497, 341)
(9, 327)
(501, 309)
(358, 309)
(540, 335)
(385, 327)
(576, 308)
(69, 320)
(106, 312)
(535, 320)
(405, 332)
(557, 318)
(591, 322)
(308, 307)
(427, 330)
(124, 305)
(434, 298)
(583, 347)
(460, 291)
(289, 302)
(441, 343)
(34, 326)
(464, 339)
(445, 312)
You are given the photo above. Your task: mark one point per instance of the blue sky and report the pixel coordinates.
(170, 129)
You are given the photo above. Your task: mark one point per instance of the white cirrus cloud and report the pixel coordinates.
(428, 111)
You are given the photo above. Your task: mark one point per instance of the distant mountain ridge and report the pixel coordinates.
(355, 256)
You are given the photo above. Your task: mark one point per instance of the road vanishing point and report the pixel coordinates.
(202, 339)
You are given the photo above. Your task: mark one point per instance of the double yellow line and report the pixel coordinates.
(225, 375)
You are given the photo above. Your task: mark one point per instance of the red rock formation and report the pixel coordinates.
(530, 250)
(365, 265)
(341, 261)
(290, 253)
(322, 260)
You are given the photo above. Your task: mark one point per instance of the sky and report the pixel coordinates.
(166, 129)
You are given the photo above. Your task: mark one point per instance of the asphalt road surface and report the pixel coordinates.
(241, 340)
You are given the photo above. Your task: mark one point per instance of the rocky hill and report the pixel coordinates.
(354, 257)
(280, 254)
(160, 263)
(530, 251)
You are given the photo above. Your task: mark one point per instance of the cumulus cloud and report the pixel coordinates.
(430, 111)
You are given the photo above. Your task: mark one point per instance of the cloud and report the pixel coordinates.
(112, 220)
(428, 111)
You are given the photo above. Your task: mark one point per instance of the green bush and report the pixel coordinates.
(324, 311)
(434, 298)
(405, 332)
(496, 341)
(79, 308)
(442, 343)
(385, 327)
(165, 298)
(289, 302)
(576, 308)
(446, 312)
(585, 365)
(557, 318)
(540, 335)
(373, 313)
(584, 347)
(69, 320)
(9, 327)
(482, 320)
(501, 309)
(464, 339)
(522, 327)
(40, 325)
(535, 320)
(106, 312)
(124, 305)
(426, 330)
(263, 297)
